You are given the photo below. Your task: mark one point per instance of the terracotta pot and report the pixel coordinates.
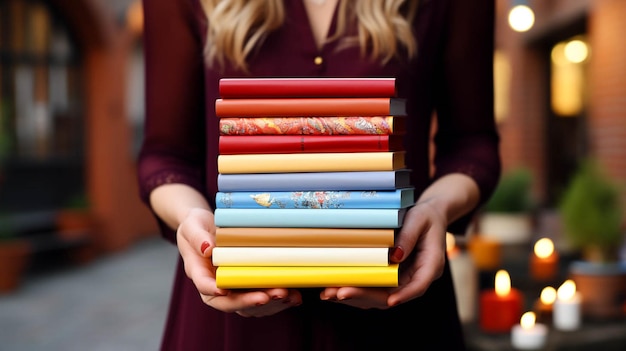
(602, 287)
(14, 259)
(74, 223)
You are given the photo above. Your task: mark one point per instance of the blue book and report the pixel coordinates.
(308, 217)
(368, 180)
(320, 199)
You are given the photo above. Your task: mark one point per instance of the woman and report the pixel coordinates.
(441, 55)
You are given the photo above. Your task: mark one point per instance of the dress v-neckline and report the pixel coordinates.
(331, 25)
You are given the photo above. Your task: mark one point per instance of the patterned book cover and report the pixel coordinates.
(374, 125)
(399, 198)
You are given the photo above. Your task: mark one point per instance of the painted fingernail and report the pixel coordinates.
(205, 245)
(396, 254)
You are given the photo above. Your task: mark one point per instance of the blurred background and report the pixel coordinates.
(71, 118)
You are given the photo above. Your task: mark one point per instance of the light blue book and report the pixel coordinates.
(308, 217)
(322, 199)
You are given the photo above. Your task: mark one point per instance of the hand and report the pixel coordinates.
(420, 247)
(195, 239)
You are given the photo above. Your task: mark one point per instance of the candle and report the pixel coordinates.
(544, 260)
(567, 307)
(500, 308)
(484, 252)
(545, 303)
(528, 335)
(465, 279)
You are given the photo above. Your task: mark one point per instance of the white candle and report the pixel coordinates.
(567, 307)
(528, 335)
(465, 278)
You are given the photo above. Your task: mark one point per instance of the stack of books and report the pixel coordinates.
(312, 182)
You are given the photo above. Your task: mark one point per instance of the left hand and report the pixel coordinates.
(421, 243)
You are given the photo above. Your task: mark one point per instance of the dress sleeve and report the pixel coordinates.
(467, 140)
(173, 148)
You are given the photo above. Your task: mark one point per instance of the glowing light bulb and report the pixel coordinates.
(521, 18)
(576, 51)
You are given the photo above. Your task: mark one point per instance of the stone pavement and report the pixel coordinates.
(116, 302)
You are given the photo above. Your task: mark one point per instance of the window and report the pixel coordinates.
(42, 126)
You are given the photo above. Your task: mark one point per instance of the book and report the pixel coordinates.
(316, 107)
(372, 180)
(268, 144)
(311, 162)
(306, 87)
(307, 217)
(306, 277)
(351, 125)
(315, 237)
(300, 256)
(321, 199)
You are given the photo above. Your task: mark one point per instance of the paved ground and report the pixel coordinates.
(116, 303)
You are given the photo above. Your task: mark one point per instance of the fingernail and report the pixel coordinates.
(396, 254)
(205, 245)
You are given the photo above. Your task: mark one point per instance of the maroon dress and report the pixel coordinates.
(451, 74)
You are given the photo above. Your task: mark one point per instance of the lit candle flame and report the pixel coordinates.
(528, 320)
(544, 247)
(548, 295)
(567, 290)
(502, 283)
(450, 242)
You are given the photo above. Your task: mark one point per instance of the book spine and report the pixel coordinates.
(305, 237)
(378, 180)
(305, 277)
(354, 125)
(306, 87)
(300, 256)
(298, 218)
(312, 162)
(322, 199)
(318, 107)
(267, 144)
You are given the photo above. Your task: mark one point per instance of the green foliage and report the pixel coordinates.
(591, 209)
(6, 232)
(513, 193)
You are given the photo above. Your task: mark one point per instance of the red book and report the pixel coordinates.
(274, 144)
(318, 107)
(307, 87)
(312, 125)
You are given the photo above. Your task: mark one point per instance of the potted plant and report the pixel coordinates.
(14, 256)
(592, 215)
(507, 216)
(75, 220)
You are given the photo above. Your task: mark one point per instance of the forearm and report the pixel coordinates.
(172, 202)
(453, 195)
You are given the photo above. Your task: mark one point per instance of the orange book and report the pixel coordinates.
(318, 107)
(311, 162)
(312, 237)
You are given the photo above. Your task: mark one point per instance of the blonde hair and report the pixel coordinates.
(237, 27)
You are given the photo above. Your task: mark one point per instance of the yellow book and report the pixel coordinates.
(312, 162)
(305, 277)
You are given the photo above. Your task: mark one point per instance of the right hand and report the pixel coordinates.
(198, 228)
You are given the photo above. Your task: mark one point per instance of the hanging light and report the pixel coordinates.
(521, 16)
